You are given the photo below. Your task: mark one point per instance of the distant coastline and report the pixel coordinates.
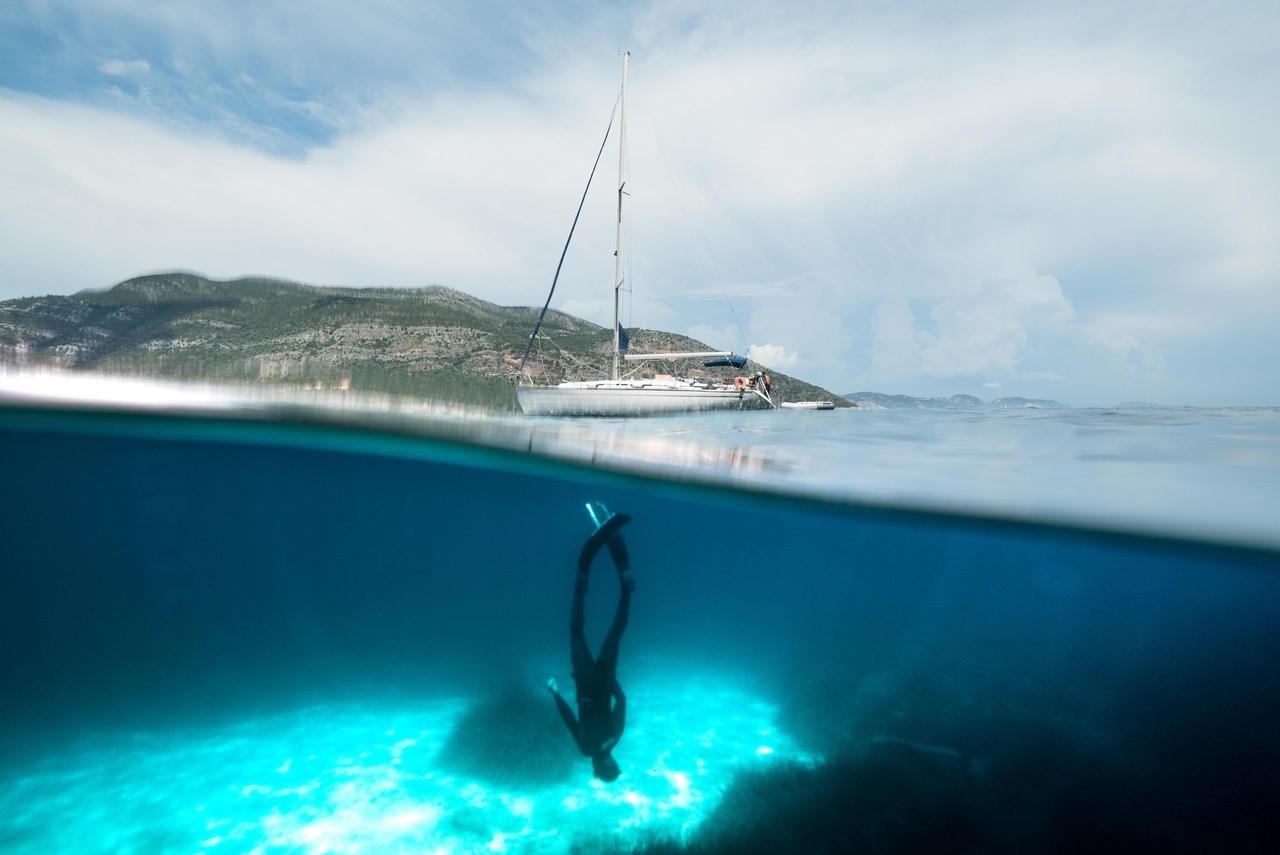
(881, 401)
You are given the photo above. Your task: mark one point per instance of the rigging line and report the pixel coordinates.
(689, 211)
(566, 353)
(589, 368)
(565, 251)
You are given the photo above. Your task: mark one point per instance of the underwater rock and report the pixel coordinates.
(936, 763)
(887, 800)
(513, 737)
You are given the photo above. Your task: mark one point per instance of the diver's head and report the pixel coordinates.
(604, 766)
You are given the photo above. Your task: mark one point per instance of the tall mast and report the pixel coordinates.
(622, 183)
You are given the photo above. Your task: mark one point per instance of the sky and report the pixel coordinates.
(1077, 201)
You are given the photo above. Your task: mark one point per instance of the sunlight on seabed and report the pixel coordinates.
(363, 777)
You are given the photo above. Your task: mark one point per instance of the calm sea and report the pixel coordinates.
(234, 626)
(1212, 474)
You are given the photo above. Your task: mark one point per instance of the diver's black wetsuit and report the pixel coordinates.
(598, 725)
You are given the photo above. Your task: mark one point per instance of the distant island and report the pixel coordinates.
(881, 401)
(432, 343)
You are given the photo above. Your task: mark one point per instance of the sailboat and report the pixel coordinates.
(631, 396)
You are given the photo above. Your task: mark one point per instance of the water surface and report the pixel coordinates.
(262, 630)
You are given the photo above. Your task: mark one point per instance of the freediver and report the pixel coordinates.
(599, 723)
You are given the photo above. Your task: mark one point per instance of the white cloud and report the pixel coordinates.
(121, 68)
(422, 201)
(718, 339)
(895, 353)
(773, 355)
(991, 327)
(1135, 339)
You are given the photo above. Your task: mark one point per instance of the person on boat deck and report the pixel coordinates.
(602, 707)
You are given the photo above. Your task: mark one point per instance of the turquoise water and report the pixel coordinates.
(282, 631)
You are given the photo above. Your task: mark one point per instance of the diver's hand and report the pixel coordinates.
(552, 687)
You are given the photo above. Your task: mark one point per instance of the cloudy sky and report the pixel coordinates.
(1077, 201)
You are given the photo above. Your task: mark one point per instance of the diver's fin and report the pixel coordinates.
(602, 534)
(598, 512)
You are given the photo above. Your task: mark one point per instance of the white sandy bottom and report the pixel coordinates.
(362, 777)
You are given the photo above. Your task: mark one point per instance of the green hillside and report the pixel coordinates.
(430, 343)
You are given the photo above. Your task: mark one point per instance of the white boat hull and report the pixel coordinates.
(634, 398)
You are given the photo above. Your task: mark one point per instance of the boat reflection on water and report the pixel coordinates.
(670, 451)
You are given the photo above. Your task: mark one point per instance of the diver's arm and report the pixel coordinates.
(566, 715)
(619, 710)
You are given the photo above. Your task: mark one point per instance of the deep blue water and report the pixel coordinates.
(234, 632)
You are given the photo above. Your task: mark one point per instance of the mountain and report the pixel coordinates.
(881, 401)
(1016, 403)
(430, 343)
